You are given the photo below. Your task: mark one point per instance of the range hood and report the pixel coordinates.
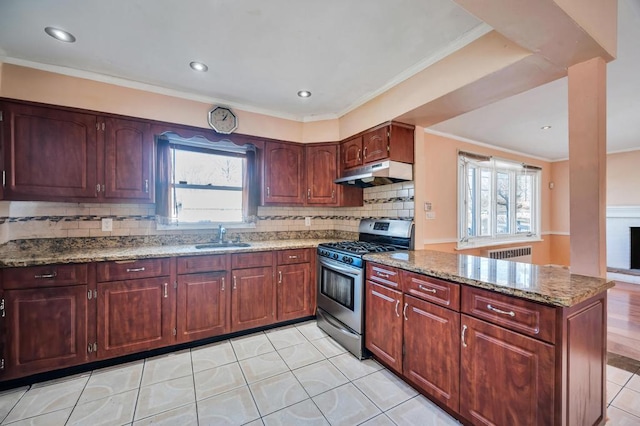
(382, 173)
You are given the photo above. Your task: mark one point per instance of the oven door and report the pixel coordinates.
(340, 292)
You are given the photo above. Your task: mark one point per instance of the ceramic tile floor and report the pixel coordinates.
(287, 376)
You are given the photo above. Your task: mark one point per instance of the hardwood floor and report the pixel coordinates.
(623, 320)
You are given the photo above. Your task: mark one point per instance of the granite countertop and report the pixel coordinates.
(46, 253)
(546, 284)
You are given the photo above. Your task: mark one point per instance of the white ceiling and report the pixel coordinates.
(345, 52)
(260, 53)
(515, 123)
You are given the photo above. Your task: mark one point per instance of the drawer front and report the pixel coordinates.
(251, 260)
(288, 257)
(431, 289)
(132, 269)
(519, 315)
(45, 276)
(385, 275)
(195, 264)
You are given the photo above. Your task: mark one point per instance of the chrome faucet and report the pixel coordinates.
(221, 231)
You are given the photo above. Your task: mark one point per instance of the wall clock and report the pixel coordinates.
(223, 120)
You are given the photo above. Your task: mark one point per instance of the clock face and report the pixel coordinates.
(222, 120)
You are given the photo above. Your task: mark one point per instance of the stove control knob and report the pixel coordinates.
(335, 256)
(345, 259)
(350, 260)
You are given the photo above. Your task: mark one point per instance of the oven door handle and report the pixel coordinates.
(338, 267)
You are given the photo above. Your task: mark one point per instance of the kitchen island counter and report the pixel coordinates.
(545, 284)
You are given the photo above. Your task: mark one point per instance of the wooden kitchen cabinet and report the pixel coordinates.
(134, 315)
(322, 171)
(505, 377)
(203, 297)
(50, 154)
(383, 324)
(128, 160)
(283, 174)
(295, 284)
(432, 350)
(253, 295)
(47, 329)
(58, 154)
(388, 141)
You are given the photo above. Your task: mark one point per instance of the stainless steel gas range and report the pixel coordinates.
(341, 278)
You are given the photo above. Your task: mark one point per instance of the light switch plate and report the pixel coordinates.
(107, 224)
(431, 215)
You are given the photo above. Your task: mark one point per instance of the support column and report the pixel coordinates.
(587, 167)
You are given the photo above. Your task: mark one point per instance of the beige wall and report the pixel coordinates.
(623, 179)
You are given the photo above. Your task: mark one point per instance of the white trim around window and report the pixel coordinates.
(498, 201)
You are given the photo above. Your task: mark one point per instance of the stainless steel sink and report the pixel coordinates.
(226, 244)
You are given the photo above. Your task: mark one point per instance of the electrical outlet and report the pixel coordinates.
(431, 215)
(307, 221)
(107, 224)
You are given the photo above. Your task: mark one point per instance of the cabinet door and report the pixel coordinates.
(127, 162)
(203, 306)
(294, 291)
(47, 329)
(322, 170)
(351, 153)
(283, 173)
(375, 145)
(253, 300)
(432, 350)
(49, 154)
(133, 316)
(506, 378)
(383, 324)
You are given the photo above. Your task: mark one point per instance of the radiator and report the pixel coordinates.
(516, 254)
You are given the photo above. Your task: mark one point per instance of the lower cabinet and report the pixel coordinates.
(47, 329)
(506, 378)
(295, 284)
(203, 306)
(432, 349)
(383, 324)
(134, 316)
(253, 299)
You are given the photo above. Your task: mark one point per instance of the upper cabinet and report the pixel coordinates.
(389, 141)
(55, 154)
(295, 174)
(322, 170)
(283, 173)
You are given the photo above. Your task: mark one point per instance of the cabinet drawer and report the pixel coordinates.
(431, 289)
(194, 264)
(386, 275)
(251, 260)
(45, 276)
(520, 315)
(287, 257)
(131, 269)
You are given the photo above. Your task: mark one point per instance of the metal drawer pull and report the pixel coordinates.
(397, 313)
(166, 294)
(135, 269)
(499, 311)
(423, 288)
(50, 275)
(279, 277)
(380, 274)
(404, 312)
(222, 284)
(464, 331)
(293, 257)
(234, 282)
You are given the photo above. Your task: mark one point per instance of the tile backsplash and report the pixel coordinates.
(28, 219)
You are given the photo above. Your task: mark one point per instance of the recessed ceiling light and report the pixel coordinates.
(198, 66)
(545, 127)
(59, 34)
(304, 93)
